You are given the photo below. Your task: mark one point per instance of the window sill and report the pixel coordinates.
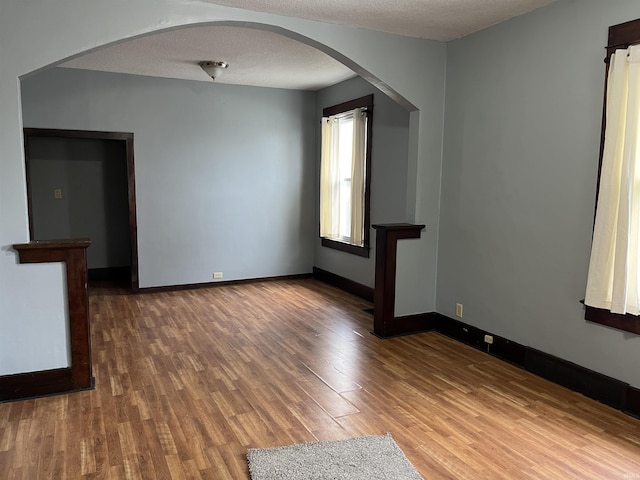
(346, 247)
(628, 323)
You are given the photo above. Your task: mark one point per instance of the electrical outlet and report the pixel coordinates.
(488, 339)
(217, 275)
(57, 193)
(459, 310)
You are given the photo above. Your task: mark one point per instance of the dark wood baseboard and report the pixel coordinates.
(604, 389)
(591, 384)
(410, 324)
(607, 390)
(38, 384)
(109, 274)
(502, 348)
(403, 325)
(224, 283)
(632, 401)
(343, 283)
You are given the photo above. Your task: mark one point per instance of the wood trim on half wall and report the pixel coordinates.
(35, 384)
(79, 376)
(131, 181)
(387, 236)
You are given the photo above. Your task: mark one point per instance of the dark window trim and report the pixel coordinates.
(362, 102)
(362, 251)
(621, 36)
(626, 322)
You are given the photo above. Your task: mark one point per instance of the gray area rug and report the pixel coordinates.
(361, 458)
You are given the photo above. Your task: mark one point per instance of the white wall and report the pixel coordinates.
(524, 104)
(224, 174)
(38, 33)
(389, 167)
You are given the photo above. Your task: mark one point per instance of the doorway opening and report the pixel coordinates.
(82, 184)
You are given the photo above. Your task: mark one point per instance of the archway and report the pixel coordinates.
(52, 36)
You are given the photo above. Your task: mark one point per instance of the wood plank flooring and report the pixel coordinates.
(187, 381)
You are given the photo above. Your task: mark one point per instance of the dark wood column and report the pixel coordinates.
(384, 297)
(74, 254)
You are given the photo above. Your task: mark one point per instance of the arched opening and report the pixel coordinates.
(165, 183)
(218, 164)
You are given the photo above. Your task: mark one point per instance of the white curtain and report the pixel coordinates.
(613, 281)
(358, 176)
(329, 189)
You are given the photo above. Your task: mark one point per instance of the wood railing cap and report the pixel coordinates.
(49, 244)
(398, 226)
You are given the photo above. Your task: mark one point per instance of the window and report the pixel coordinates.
(613, 284)
(345, 176)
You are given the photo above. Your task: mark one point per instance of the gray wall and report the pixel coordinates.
(224, 174)
(522, 133)
(389, 153)
(92, 175)
(32, 296)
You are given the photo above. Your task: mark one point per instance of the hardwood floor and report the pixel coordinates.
(187, 381)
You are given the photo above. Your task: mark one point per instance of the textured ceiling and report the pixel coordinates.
(441, 20)
(266, 59)
(255, 58)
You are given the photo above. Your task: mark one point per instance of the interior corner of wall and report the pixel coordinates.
(412, 166)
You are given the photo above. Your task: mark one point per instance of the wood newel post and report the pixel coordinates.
(384, 297)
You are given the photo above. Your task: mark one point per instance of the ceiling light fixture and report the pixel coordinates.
(213, 69)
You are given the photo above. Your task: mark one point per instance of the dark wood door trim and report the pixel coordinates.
(131, 181)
